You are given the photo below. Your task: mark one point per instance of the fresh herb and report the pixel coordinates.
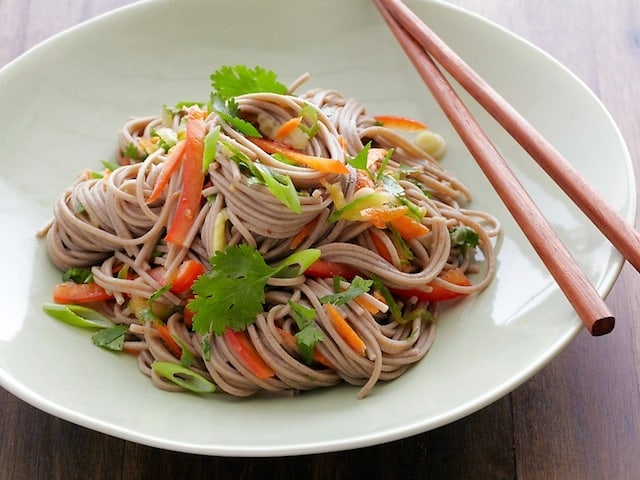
(360, 160)
(186, 358)
(358, 286)
(231, 81)
(183, 377)
(232, 293)
(229, 112)
(77, 275)
(464, 237)
(279, 184)
(111, 338)
(111, 166)
(167, 137)
(131, 152)
(309, 334)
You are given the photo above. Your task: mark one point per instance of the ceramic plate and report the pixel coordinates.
(64, 101)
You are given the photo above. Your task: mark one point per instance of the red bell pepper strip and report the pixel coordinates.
(187, 273)
(324, 269)
(192, 179)
(239, 342)
(400, 123)
(71, 292)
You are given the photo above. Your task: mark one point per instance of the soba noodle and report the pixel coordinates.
(106, 223)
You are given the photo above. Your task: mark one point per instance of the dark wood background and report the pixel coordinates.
(579, 418)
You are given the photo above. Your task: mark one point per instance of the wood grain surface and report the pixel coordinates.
(578, 418)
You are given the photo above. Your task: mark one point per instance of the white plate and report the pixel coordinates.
(64, 101)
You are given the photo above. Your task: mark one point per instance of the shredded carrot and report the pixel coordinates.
(303, 234)
(320, 164)
(367, 304)
(318, 357)
(380, 216)
(168, 340)
(287, 128)
(345, 330)
(408, 228)
(169, 167)
(363, 180)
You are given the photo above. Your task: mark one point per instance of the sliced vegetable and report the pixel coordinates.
(168, 340)
(240, 343)
(77, 315)
(438, 292)
(400, 123)
(210, 147)
(409, 228)
(71, 292)
(352, 210)
(325, 269)
(183, 377)
(357, 287)
(169, 167)
(345, 330)
(187, 273)
(287, 128)
(320, 164)
(380, 216)
(192, 179)
(303, 234)
(309, 334)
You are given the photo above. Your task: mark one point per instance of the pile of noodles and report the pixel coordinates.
(116, 227)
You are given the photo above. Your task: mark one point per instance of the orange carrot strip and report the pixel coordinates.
(242, 346)
(192, 179)
(381, 248)
(303, 233)
(287, 127)
(345, 330)
(168, 340)
(367, 304)
(320, 164)
(408, 228)
(380, 216)
(400, 123)
(318, 357)
(169, 167)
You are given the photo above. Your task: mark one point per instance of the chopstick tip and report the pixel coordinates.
(602, 326)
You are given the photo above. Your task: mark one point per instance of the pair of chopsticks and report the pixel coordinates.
(424, 48)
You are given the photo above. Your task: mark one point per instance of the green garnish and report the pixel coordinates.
(308, 331)
(77, 315)
(232, 293)
(78, 275)
(357, 287)
(231, 81)
(360, 160)
(309, 113)
(228, 111)
(132, 152)
(394, 308)
(111, 338)
(464, 237)
(210, 147)
(183, 377)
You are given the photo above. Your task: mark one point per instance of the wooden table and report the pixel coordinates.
(579, 418)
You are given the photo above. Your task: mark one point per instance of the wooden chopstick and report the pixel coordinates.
(586, 301)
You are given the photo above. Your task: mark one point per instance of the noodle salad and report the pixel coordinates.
(268, 241)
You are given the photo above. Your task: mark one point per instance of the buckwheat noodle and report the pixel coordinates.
(115, 227)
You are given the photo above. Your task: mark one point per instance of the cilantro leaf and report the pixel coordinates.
(360, 160)
(464, 237)
(111, 338)
(78, 275)
(228, 111)
(232, 294)
(308, 331)
(230, 81)
(357, 287)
